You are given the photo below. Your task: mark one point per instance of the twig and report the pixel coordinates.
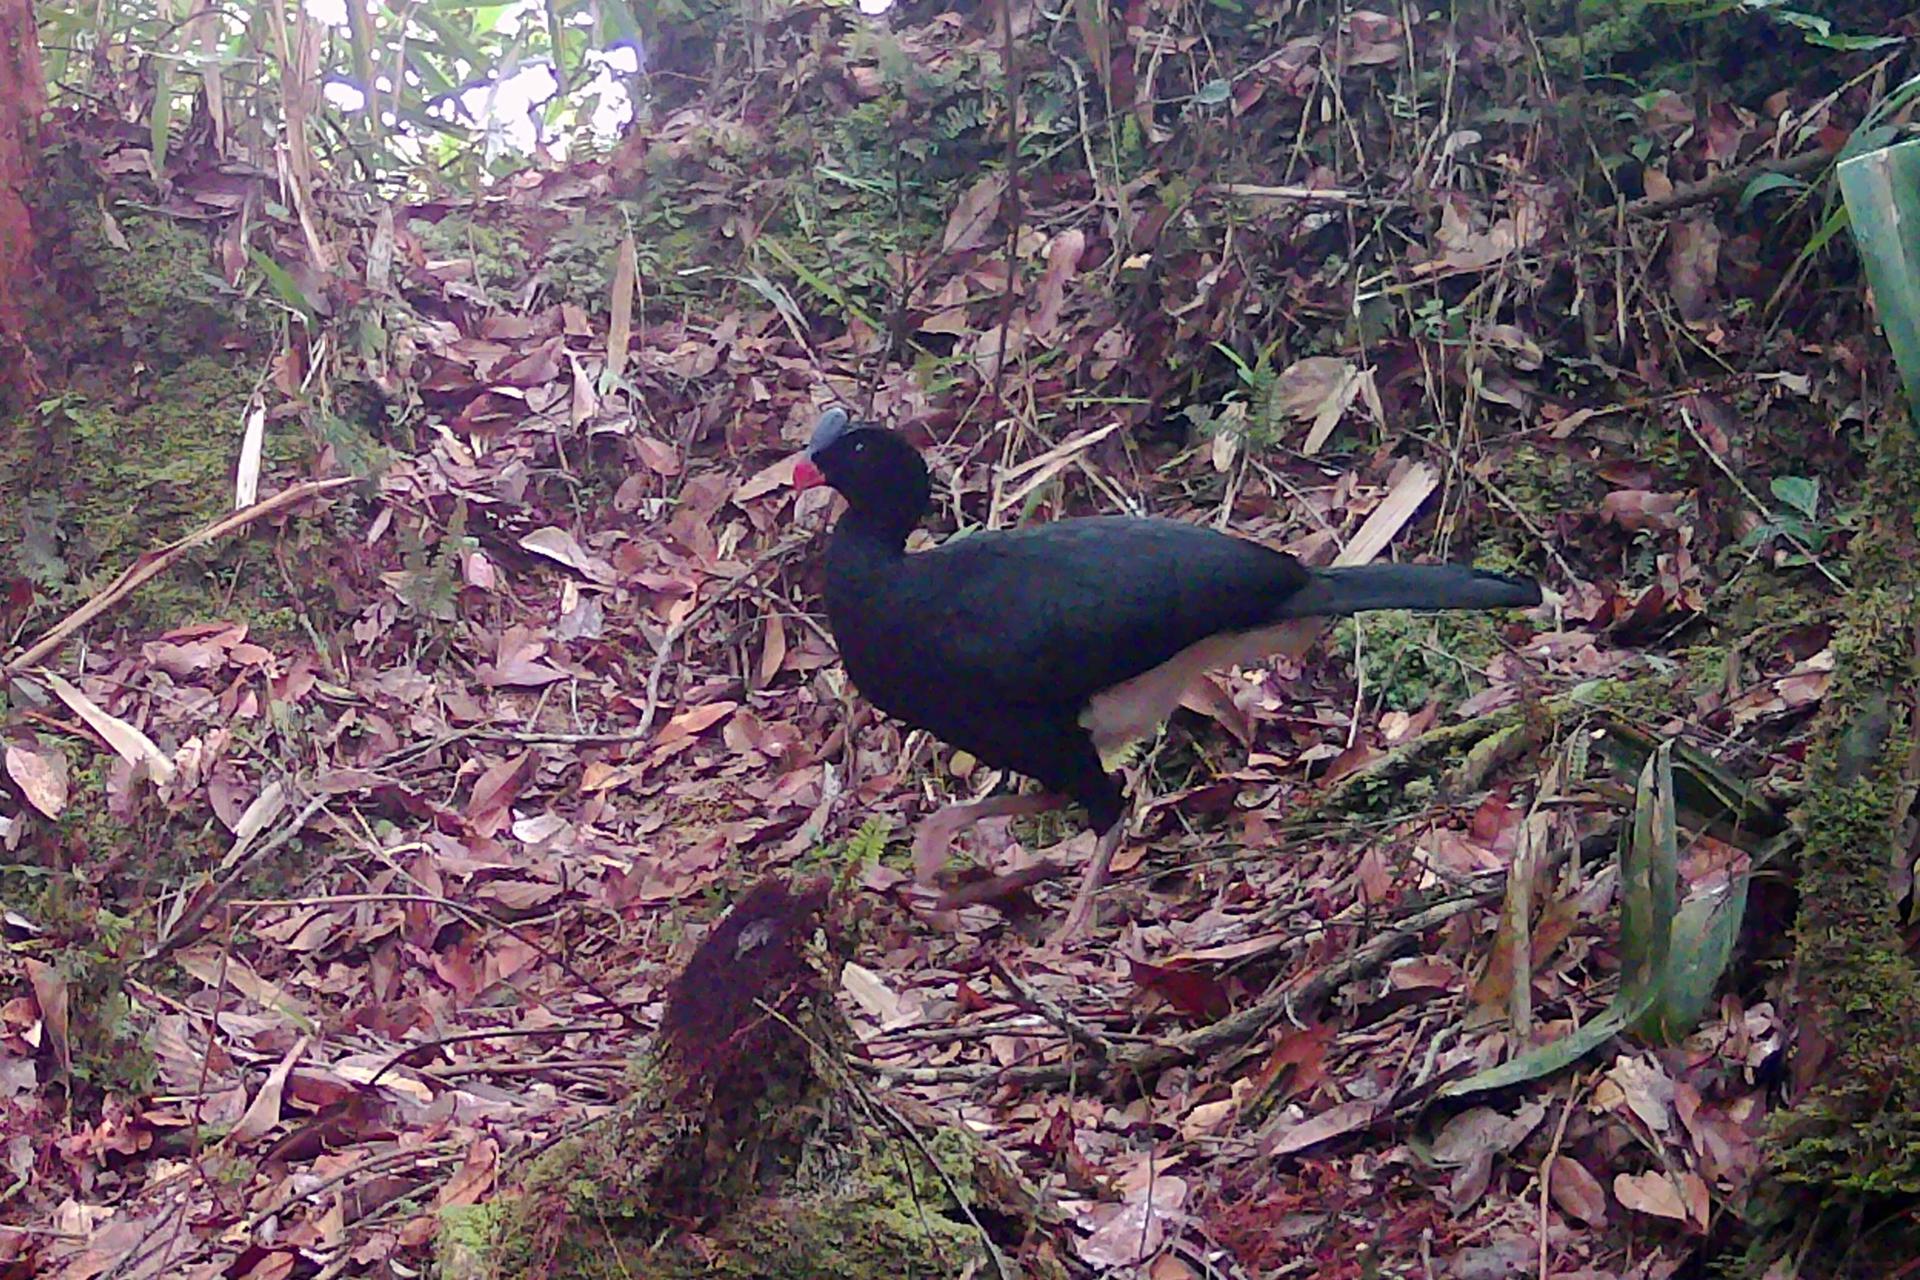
(1076, 1030)
(1231, 1032)
(874, 1104)
(679, 629)
(1012, 198)
(1307, 195)
(474, 914)
(197, 910)
(1546, 1170)
(420, 1047)
(1721, 185)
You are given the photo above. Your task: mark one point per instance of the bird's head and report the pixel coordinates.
(879, 474)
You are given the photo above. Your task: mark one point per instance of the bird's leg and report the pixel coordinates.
(936, 833)
(1082, 913)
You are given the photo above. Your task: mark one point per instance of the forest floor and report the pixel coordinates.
(353, 851)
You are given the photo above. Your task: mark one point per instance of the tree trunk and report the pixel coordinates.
(23, 98)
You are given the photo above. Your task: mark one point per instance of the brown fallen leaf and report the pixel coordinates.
(1063, 258)
(1577, 1192)
(973, 217)
(1637, 510)
(1128, 1234)
(773, 649)
(133, 746)
(1335, 1122)
(264, 1112)
(40, 772)
(1650, 1193)
(764, 481)
(693, 721)
(50, 995)
(563, 548)
(472, 1181)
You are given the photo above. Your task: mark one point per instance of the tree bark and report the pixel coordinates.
(23, 100)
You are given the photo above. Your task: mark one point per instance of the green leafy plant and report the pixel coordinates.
(430, 581)
(1672, 952)
(1797, 519)
(1248, 411)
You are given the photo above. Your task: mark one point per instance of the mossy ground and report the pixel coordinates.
(837, 1205)
(141, 445)
(1847, 1156)
(138, 449)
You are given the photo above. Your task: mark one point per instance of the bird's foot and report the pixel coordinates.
(930, 846)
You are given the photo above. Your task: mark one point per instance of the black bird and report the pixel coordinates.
(1045, 650)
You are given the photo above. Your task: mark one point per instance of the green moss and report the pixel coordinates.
(89, 948)
(808, 1192)
(465, 1237)
(158, 295)
(1859, 1129)
(1850, 1149)
(89, 485)
(1410, 659)
(1541, 484)
(498, 255)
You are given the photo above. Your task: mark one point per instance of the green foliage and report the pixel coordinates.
(89, 948)
(1882, 194)
(1797, 518)
(157, 291)
(1249, 412)
(844, 859)
(868, 843)
(1610, 30)
(107, 1043)
(415, 84)
(89, 485)
(1411, 659)
(579, 264)
(1673, 953)
(499, 257)
(431, 578)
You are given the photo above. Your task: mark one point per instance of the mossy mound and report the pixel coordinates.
(835, 1201)
(743, 1154)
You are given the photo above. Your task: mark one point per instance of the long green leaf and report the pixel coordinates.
(284, 286)
(1703, 936)
(1672, 955)
(1649, 880)
(1882, 191)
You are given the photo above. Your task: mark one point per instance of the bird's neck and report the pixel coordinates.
(870, 533)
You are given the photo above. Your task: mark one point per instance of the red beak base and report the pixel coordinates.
(806, 475)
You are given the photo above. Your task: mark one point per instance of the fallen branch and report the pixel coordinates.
(1721, 185)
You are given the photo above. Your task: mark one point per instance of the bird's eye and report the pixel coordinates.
(859, 446)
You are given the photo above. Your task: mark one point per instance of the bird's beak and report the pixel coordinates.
(806, 475)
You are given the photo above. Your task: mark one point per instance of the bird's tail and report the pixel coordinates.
(1358, 588)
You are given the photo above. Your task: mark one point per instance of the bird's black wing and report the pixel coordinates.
(1054, 614)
